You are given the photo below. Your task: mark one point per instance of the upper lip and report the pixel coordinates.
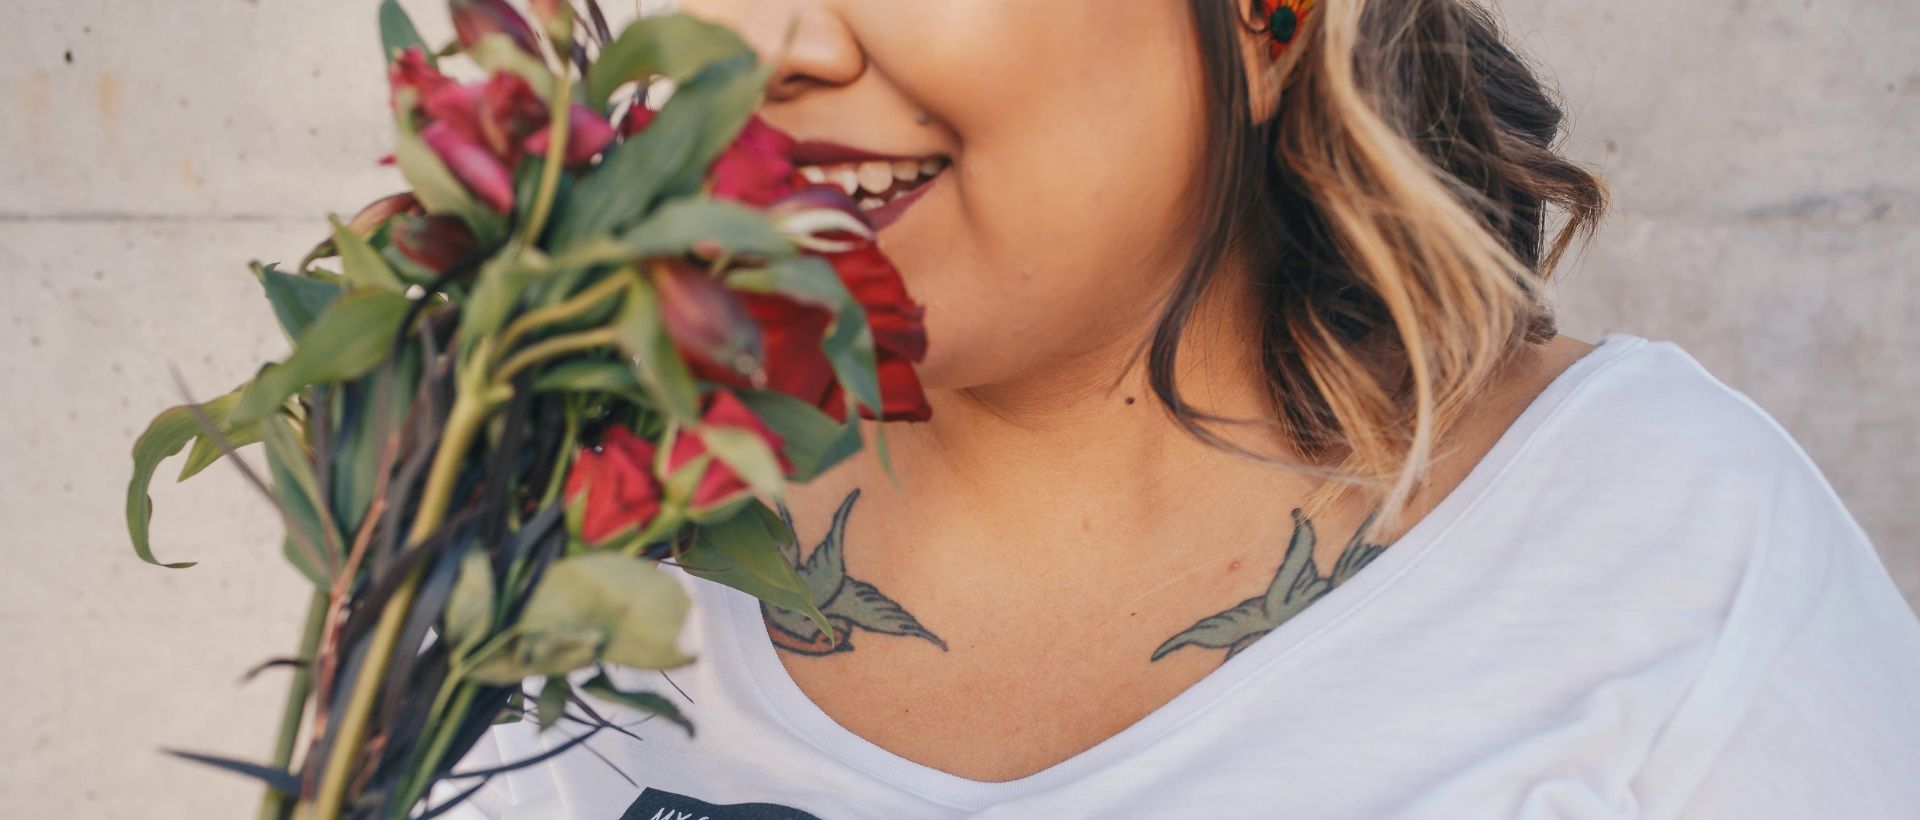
(825, 152)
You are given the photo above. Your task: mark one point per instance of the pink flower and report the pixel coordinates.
(478, 168)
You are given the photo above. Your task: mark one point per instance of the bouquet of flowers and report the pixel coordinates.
(596, 334)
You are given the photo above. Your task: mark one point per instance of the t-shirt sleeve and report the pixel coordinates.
(1811, 706)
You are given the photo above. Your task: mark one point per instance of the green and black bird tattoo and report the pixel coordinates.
(847, 602)
(1297, 584)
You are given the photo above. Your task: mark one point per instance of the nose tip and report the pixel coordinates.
(807, 45)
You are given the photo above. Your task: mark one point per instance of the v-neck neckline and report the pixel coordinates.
(752, 650)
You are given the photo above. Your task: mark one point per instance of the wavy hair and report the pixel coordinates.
(1393, 215)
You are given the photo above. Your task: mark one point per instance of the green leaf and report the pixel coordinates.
(675, 45)
(360, 263)
(168, 432)
(295, 299)
(668, 158)
(497, 289)
(470, 604)
(551, 705)
(397, 32)
(804, 278)
(589, 607)
(743, 552)
(312, 543)
(205, 451)
(601, 686)
(379, 406)
(662, 372)
(849, 347)
(348, 339)
(677, 225)
(814, 441)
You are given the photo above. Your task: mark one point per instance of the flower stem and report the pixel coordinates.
(574, 307)
(561, 108)
(556, 346)
(463, 423)
(273, 805)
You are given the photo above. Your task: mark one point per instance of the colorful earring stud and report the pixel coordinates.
(1283, 19)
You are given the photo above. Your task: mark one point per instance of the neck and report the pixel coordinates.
(1070, 463)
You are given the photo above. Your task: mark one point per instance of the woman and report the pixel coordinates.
(1257, 481)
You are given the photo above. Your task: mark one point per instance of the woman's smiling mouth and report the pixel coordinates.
(883, 186)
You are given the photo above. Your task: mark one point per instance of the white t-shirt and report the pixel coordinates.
(1645, 601)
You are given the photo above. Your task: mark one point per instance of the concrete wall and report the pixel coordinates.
(1762, 153)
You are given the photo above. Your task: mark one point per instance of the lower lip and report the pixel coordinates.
(887, 214)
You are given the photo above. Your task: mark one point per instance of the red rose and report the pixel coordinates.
(899, 334)
(622, 495)
(755, 169)
(720, 484)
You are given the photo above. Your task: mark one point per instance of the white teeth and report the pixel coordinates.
(845, 177)
(906, 170)
(929, 166)
(876, 177)
(871, 202)
(814, 173)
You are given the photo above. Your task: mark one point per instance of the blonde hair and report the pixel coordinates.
(1393, 215)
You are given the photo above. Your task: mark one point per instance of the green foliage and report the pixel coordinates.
(591, 607)
(397, 32)
(674, 46)
(347, 340)
(744, 552)
(165, 436)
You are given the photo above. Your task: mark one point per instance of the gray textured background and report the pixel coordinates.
(1762, 152)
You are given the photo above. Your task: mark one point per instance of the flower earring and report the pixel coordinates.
(1282, 19)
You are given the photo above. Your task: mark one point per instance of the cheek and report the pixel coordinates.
(1077, 125)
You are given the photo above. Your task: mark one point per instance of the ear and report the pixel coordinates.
(1266, 74)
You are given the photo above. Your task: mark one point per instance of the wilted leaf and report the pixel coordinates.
(169, 431)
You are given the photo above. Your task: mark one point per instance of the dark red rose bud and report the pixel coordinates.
(437, 241)
(706, 319)
(474, 19)
(622, 494)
